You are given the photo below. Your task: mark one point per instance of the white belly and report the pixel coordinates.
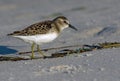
(38, 39)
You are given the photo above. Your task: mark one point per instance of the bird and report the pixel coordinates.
(42, 32)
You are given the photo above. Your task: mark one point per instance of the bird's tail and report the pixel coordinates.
(14, 33)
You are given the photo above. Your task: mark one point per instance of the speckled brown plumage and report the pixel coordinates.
(40, 28)
(37, 28)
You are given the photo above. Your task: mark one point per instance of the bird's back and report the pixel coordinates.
(37, 28)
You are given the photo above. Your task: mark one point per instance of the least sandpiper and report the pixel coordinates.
(42, 32)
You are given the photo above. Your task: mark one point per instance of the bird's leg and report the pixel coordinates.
(39, 50)
(32, 49)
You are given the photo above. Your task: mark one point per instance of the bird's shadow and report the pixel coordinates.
(4, 50)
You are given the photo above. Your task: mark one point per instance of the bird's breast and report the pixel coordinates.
(46, 37)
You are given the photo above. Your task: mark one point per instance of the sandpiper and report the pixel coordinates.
(42, 32)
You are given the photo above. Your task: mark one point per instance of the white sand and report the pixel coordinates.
(97, 21)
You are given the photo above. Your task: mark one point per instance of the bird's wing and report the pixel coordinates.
(37, 28)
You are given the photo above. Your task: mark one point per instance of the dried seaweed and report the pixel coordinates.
(66, 50)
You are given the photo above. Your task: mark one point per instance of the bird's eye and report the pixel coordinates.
(65, 22)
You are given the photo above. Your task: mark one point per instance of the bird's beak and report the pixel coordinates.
(72, 27)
